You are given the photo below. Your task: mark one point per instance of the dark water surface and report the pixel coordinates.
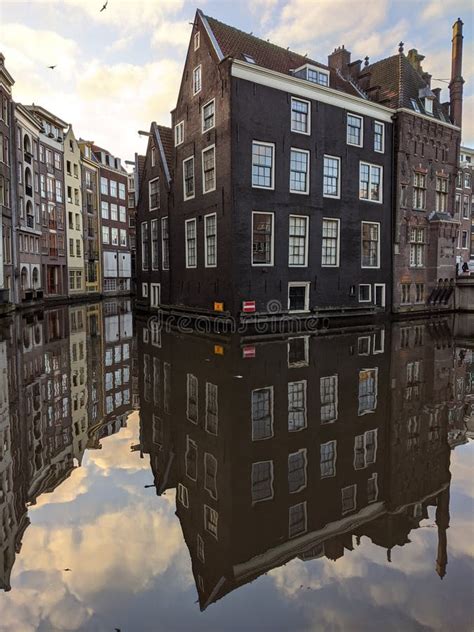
(152, 480)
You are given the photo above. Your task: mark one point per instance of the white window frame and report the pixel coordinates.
(301, 363)
(197, 40)
(297, 131)
(380, 151)
(334, 460)
(332, 265)
(361, 119)
(188, 221)
(190, 197)
(204, 190)
(305, 455)
(211, 510)
(262, 500)
(264, 265)
(369, 300)
(145, 290)
(354, 496)
(307, 285)
(163, 267)
(206, 219)
(198, 68)
(179, 134)
(338, 194)
(300, 533)
(202, 116)
(377, 267)
(210, 491)
(308, 171)
(306, 242)
(382, 285)
(154, 208)
(272, 412)
(272, 185)
(183, 496)
(152, 287)
(371, 165)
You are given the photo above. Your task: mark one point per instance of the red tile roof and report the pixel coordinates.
(166, 135)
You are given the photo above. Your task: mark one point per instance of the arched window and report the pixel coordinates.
(24, 278)
(35, 280)
(26, 144)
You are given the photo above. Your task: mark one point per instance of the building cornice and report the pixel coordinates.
(431, 119)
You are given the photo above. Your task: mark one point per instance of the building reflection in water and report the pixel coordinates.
(299, 447)
(65, 383)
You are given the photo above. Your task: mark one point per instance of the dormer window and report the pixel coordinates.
(248, 58)
(415, 106)
(428, 105)
(313, 74)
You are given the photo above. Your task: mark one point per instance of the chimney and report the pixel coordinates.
(415, 60)
(340, 59)
(456, 83)
(437, 93)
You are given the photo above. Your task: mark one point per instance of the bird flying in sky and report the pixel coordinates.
(52, 67)
(104, 7)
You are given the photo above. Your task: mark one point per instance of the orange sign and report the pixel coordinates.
(218, 350)
(218, 307)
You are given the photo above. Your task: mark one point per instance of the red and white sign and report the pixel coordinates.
(249, 352)
(248, 307)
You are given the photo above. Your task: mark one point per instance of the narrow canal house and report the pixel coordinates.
(281, 194)
(6, 254)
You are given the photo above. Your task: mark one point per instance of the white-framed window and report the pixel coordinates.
(405, 289)
(370, 245)
(419, 190)
(104, 206)
(210, 474)
(262, 413)
(368, 387)
(331, 177)
(300, 116)
(327, 459)
(297, 406)
(179, 133)
(328, 388)
(297, 520)
(464, 242)
(262, 238)
(298, 296)
(105, 235)
(209, 115)
(370, 182)
(197, 80)
(155, 298)
(299, 171)
(355, 130)
(123, 237)
(365, 293)
(145, 290)
(114, 236)
(298, 352)
(313, 74)
(297, 464)
(154, 194)
(191, 243)
(183, 496)
(153, 156)
(145, 245)
(379, 137)
(417, 247)
(212, 408)
(263, 165)
(211, 519)
(192, 394)
(165, 252)
(441, 194)
(104, 186)
(197, 40)
(330, 243)
(365, 449)
(114, 212)
(262, 481)
(372, 488)
(188, 178)
(349, 498)
(298, 241)
(210, 240)
(122, 214)
(121, 190)
(113, 188)
(415, 106)
(154, 245)
(209, 169)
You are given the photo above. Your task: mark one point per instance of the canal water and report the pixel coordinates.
(160, 480)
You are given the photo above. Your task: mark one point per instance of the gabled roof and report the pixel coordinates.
(164, 142)
(41, 112)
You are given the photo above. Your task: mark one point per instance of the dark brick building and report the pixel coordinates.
(6, 254)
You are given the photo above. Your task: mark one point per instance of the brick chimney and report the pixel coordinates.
(415, 60)
(456, 83)
(340, 59)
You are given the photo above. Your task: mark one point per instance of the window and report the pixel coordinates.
(316, 75)
(154, 194)
(145, 246)
(457, 204)
(114, 236)
(262, 413)
(145, 290)
(329, 398)
(405, 293)
(209, 169)
(331, 176)
(208, 116)
(365, 293)
(367, 391)
(330, 243)
(348, 498)
(297, 462)
(467, 180)
(428, 105)
(165, 254)
(354, 132)
(372, 488)
(415, 105)
(154, 244)
(192, 398)
(113, 188)
(297, 520)
(211, 518)
(262, 481)
(419, 191)
(441, 194)
(200, 548)
(298, 352)
(183, 495)
(210, 475)
(248, 58)
(300, 116)
(296, 406)
(464, 239)
(419, 293)
(121, 187)
(327, 461)
(417, 247)
(122, 215)
(263, 165)
(370, 253)
(105, 235)
(113, 212)
(465, 207)
(298, 297)
(212, 412)
(379, 137)
(153, 156)
(179, 133)
(365, 449)
(262, 239)
(191, 243)
(370, 182)
(188, 178)
(197, 40)
(210, 243)
(298, 241)
(299, 171)
(197, 80)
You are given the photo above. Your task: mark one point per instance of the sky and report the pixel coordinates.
(119, 69)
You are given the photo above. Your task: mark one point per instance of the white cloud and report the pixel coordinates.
(440, 8)
(172, 34)
(263, 9)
